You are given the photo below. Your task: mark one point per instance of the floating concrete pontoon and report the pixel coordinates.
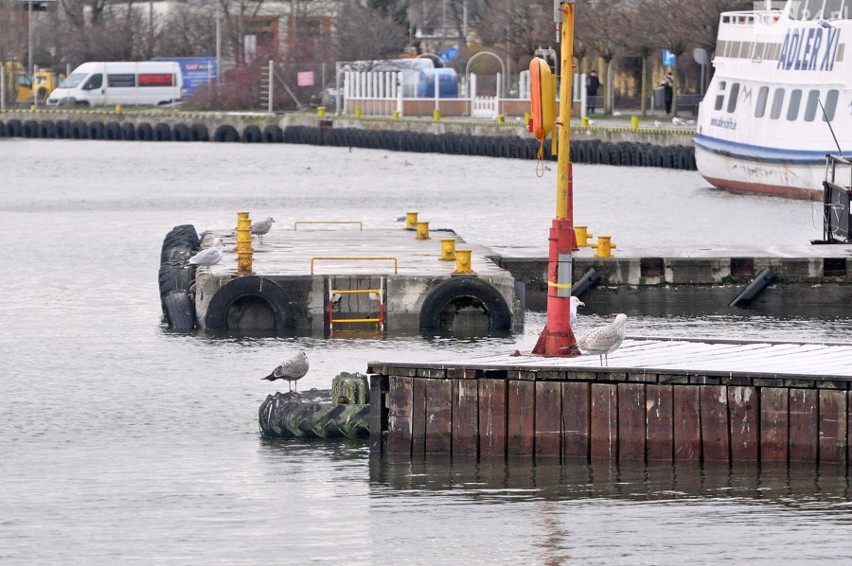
(319, 278)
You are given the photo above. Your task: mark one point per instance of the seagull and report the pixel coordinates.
(575, 302)
(292, 369)
(261, 227)
(681, 122)
(605, 339)
(208, 256)
(658, 124)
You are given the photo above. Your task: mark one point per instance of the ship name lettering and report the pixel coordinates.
(809, 49)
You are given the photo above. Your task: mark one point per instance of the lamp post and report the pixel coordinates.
(218, 41)
(30, 38)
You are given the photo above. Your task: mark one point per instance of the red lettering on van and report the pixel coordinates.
(151, 79)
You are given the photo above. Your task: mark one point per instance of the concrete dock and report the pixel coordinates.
(313, 277)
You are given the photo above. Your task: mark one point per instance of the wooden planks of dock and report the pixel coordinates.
(660, 400)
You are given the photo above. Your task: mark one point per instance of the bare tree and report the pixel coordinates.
(364, 34)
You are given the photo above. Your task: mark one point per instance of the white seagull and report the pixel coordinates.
(261, 227)
(575, 302)
(681, 122)
(292, 369)
(208, 256)
(605, 339)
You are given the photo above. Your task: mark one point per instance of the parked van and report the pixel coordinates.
(97, 84)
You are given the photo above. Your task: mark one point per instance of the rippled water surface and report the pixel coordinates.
(122, 442)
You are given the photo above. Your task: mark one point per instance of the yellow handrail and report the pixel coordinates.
(358, 222)
(355, 291)
(356, 258)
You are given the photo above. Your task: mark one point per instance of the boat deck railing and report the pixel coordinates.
(838, 171)
(750, 17)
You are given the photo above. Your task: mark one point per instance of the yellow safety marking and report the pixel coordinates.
(355, 291)
(358, 222)
(358, 320)
(559, 285)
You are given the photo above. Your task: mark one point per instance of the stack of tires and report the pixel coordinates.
(176, 277)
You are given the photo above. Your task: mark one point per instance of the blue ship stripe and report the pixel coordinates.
(761, 153)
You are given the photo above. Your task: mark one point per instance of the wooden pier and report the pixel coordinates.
(659, 400)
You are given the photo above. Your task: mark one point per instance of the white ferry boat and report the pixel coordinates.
(782, 76)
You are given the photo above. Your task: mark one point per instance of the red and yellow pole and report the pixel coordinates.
(557, 339)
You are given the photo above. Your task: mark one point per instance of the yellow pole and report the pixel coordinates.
(564, 190)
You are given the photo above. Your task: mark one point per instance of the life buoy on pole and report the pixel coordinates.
(220, 316)
(439, 306)
(542, 100)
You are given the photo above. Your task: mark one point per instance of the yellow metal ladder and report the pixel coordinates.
(334, 295)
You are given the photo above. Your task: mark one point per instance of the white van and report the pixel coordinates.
(97, 84)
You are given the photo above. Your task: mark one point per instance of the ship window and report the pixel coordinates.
(840, 49)
(811, 108)
(830, 105)
(762, 96)
(720, 98)
(777, 103)
(732, 98)
(795, 102)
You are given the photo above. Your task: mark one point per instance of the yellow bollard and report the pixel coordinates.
(321, 111)
(436, 115)
(243, 220)
(527, 118)
(634, 122)
(583, 235)
(243, 234)
(357, 111)
(118, 108)
(584, 122)
(604, 246)
(448, 249)
(396, 114)
(244, 262)
(410, 220)
(462, 262)
(422, 230)
(501, 118)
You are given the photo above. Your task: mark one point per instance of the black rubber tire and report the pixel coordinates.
(181, 236)
(499, 313)
(29, 129)
(175, 277)
(198, 132)
(95, 130)
(144, 132)
(46, 129)
(128, 131)
(14, 128)
(273, 134)
(226, 133)
(2, 130)
(79, 130)
(162, 132)
(252, 134)
(180, 311)
(112, 131)
(63, 129)
(216, 319)
(181, 133)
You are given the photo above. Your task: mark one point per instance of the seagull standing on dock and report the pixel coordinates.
(208, 256)
(575, 302)
(605, 339)
(292, 369)
(261, 227)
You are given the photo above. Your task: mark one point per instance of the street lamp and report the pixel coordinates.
(30, 37)
(218, 41)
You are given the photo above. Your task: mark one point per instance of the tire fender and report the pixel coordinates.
(495, 305)
(216, 318)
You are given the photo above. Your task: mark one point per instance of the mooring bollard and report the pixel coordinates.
(436, 115)
(422, 230)
(501, 118)
(448, 249)
(604, 245)
(462, 262)
(396, 114)
(584, 122)
(243, 248)
(583, 235)
(357, 111)
(410, 220)
(321, 111)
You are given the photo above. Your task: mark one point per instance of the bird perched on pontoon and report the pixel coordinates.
(604, 340)
(681, 122)
(208, 256)
(261, 227)
(575, 302)
(292, 369)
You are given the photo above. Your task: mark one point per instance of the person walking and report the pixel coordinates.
(668, 91)
(592, 86)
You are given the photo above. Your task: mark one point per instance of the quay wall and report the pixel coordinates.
(609, 414)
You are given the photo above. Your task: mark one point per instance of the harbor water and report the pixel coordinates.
(121, 442)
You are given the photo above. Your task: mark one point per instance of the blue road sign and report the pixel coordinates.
(668, 58)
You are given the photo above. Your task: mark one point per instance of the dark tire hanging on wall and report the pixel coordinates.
(2, 130)
(162, 132)
(273, 134)
(46, 129)
(29, 129)
(79, 130)
(63, 129)
(112, 131)
(182, 237)
(252, 134)
(144, 132)
(181, 133)
(128, 131)
(95, 130)
(226, 133)
(450, 297)
(264, 303)
(14, 129)
(180, 311)
(198, 132)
